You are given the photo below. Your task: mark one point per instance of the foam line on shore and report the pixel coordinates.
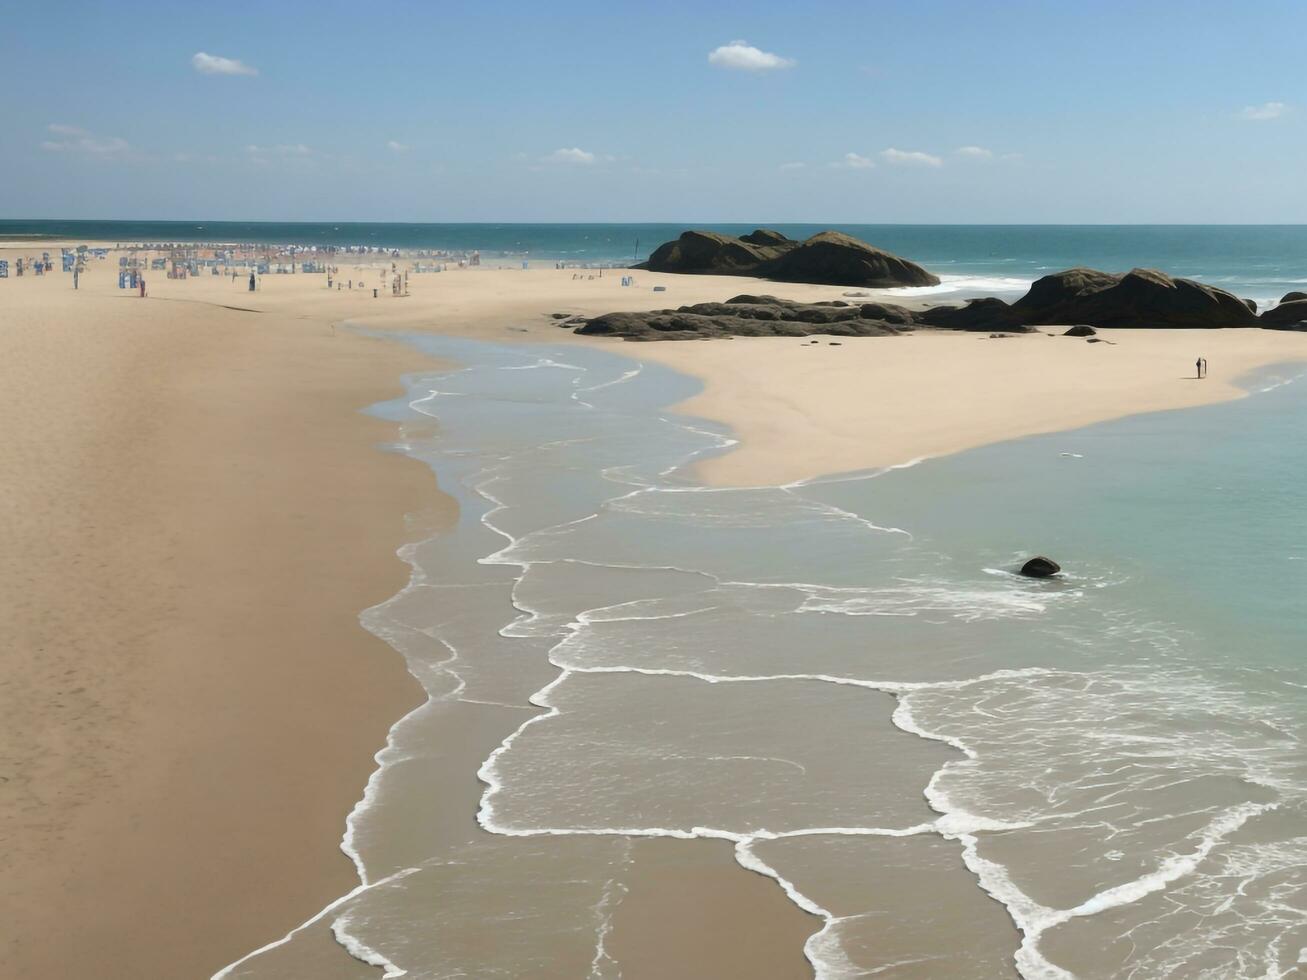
(822, 949)
(228, 972)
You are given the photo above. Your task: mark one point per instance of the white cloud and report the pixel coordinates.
(1265, 111)
(975, 152)
(910, 158)
(743, 56)
(797, 165)
(212, 64)
(396, 146)
(573, 155)
(855, 161)
(77, 140)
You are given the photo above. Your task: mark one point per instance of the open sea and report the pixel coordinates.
(1260, 262)
(955, 771)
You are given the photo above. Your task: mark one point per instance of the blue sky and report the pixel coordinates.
(768, 112)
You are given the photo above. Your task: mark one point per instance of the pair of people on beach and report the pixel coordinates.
(1200, 366)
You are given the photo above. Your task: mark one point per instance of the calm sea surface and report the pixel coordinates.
(1261, 262)
(957, 772)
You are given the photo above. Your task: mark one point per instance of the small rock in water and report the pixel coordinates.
(1040, 567)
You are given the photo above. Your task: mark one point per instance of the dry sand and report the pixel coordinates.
(803, 410)
(195, 514)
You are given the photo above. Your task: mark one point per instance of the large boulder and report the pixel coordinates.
(1140, 298)
(982, 315)
(838, 259)
(1287, 314)
(709, 253)
(829, 258)
(1291, 297)
(1052, 299)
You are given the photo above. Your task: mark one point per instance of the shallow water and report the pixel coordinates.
(844, 682)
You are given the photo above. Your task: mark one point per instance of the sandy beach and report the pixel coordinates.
(197, 512)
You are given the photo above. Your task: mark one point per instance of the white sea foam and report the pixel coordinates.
(981, 285)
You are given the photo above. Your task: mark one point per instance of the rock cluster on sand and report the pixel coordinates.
(755, 316)
(981, 315)
(829, 258)
(1085, 297)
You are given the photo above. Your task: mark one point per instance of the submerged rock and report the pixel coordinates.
(1040, 567)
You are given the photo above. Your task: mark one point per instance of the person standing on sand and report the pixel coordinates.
(1198, 368)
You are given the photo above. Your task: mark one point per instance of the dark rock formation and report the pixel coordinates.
(1052, 298)
(841, 260)
(1084, 297)
(981, 315)
(766, 236)
(830, 258)
(888, 312)
(708, 253)
(1287, 315)
(753, 316)
(1291, 297)
(1140, 298)
(1040, 567)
